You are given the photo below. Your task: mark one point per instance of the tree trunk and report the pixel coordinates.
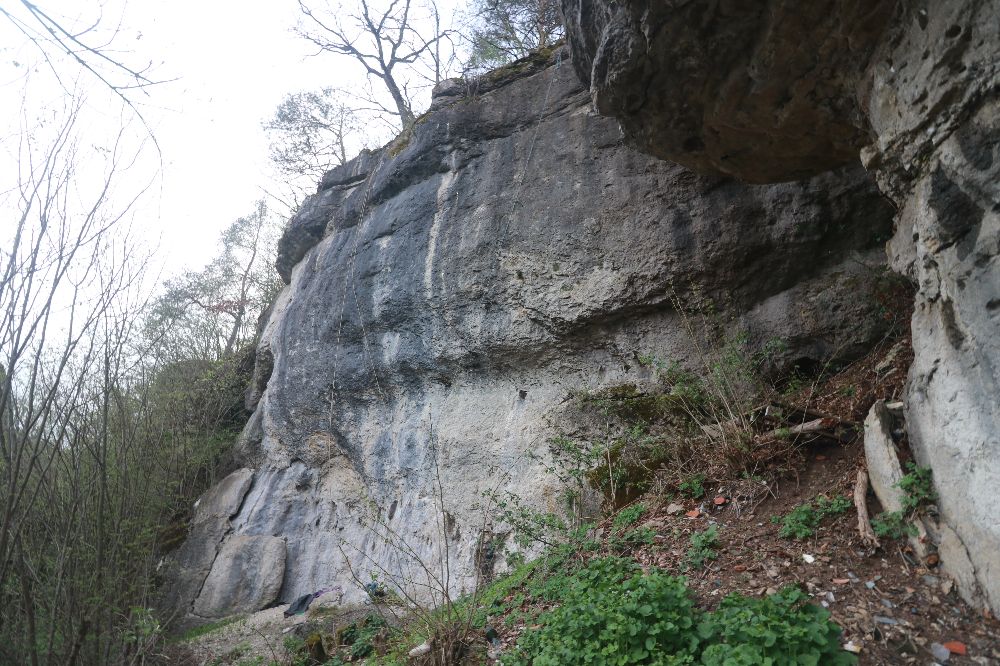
(406, 117)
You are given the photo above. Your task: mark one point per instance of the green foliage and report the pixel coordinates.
(783, 433)
(612, 614)
(209, 628)
(209, 314)
(686, 386)
(314, 131)
(501, 596)
(628, 516)
(645, 431)
(531, 527)
(629, 540)
(918, 488)
(574, 460)
(892, 525)
(693, 486)
(360, 637)
(779, 629)
(505, 30)
(635, 433)
(703, 546)
(795, 382)
(802, 521)
(120, 426)
(607, 620)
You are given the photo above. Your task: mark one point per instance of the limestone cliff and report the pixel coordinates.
(771, 90)
(447, 292)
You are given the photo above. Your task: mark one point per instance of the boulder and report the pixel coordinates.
(188, 568)
(246, 576)
(884, 470)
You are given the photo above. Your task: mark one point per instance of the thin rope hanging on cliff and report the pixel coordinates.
(518, 185)
(352, 283)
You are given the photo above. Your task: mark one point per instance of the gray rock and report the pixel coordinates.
(762, 90)
(884, 470)
(446, 295)
(188, 568)
(768, 91)
(245, 577)
(224, 499)
(953, 413)
(937, 120)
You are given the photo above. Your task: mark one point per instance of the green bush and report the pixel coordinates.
(802, 521)
(693, 486)
(644, 619)
(630, 515)
(360, 637)
(703, 545)
(892, 525)
(917, 487)
(613, 615)
(779, 629)
(918, 492)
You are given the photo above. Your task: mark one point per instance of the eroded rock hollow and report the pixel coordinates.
(771, 90)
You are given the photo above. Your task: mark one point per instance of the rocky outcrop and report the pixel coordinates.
(935, 107)
(762, 90)
(447, 293)
(770, 90)
(194, 561)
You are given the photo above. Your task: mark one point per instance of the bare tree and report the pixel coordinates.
(398, 43)
(312, 132)
(105, 439)
(501, 31)
(66, 277)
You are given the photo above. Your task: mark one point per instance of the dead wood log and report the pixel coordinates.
(861, 504)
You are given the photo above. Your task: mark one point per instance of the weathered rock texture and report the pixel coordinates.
(770, 90)
(211, 524)
(246, 576)
(446, 294)
(763, 90)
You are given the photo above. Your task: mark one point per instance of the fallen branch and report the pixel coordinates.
(806, 412)
(861, 504)
(824, 427)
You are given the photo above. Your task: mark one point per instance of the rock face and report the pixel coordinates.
(446, 293)
(771, 90)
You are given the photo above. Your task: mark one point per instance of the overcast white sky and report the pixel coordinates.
(233, 60)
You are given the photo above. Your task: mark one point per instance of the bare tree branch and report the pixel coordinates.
(52, 36)
(392, 44)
